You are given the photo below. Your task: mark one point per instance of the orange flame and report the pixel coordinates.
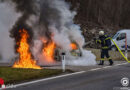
(73, 46)
(25, 59)
(48, 51)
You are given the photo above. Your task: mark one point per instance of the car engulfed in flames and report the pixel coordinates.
(50, 51)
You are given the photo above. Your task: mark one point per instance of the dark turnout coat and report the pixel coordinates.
(105, 41)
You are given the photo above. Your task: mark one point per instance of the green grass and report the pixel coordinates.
(14, 75)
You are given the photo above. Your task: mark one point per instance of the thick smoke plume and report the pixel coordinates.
(8, 16)
(27, 9)
(53, 21)
(56, 23)
(56, 18)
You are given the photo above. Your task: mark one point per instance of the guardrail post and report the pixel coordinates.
(63, 61)
(126, 47)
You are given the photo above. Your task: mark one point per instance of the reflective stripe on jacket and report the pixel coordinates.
(105, 41)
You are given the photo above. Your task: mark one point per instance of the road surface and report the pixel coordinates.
(101, 79)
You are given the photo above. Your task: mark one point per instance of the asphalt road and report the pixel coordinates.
(103, 79)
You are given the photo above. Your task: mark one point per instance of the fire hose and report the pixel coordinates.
(116, 47)
(120, 51)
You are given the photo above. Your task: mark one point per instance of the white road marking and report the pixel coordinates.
(107, 66)
(125, 63)
(117, 64)
(120, 64)
(95, 69)
(26, 83)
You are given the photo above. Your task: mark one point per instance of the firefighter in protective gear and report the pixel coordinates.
(105, 42)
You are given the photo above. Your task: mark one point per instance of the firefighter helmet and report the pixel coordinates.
(101, 33)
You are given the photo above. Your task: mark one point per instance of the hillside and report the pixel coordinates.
(108, 15)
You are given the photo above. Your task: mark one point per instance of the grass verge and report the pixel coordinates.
(115, 55)
(15, 75)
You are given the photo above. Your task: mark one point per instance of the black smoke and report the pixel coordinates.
(20, 25)
(26, 8)
(49, 15)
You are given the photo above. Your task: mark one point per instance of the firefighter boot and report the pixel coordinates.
(101, 62)
(111, 62)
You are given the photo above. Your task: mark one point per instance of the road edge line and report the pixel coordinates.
(50, 78)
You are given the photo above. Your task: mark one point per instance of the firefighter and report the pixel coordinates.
(105, 42)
